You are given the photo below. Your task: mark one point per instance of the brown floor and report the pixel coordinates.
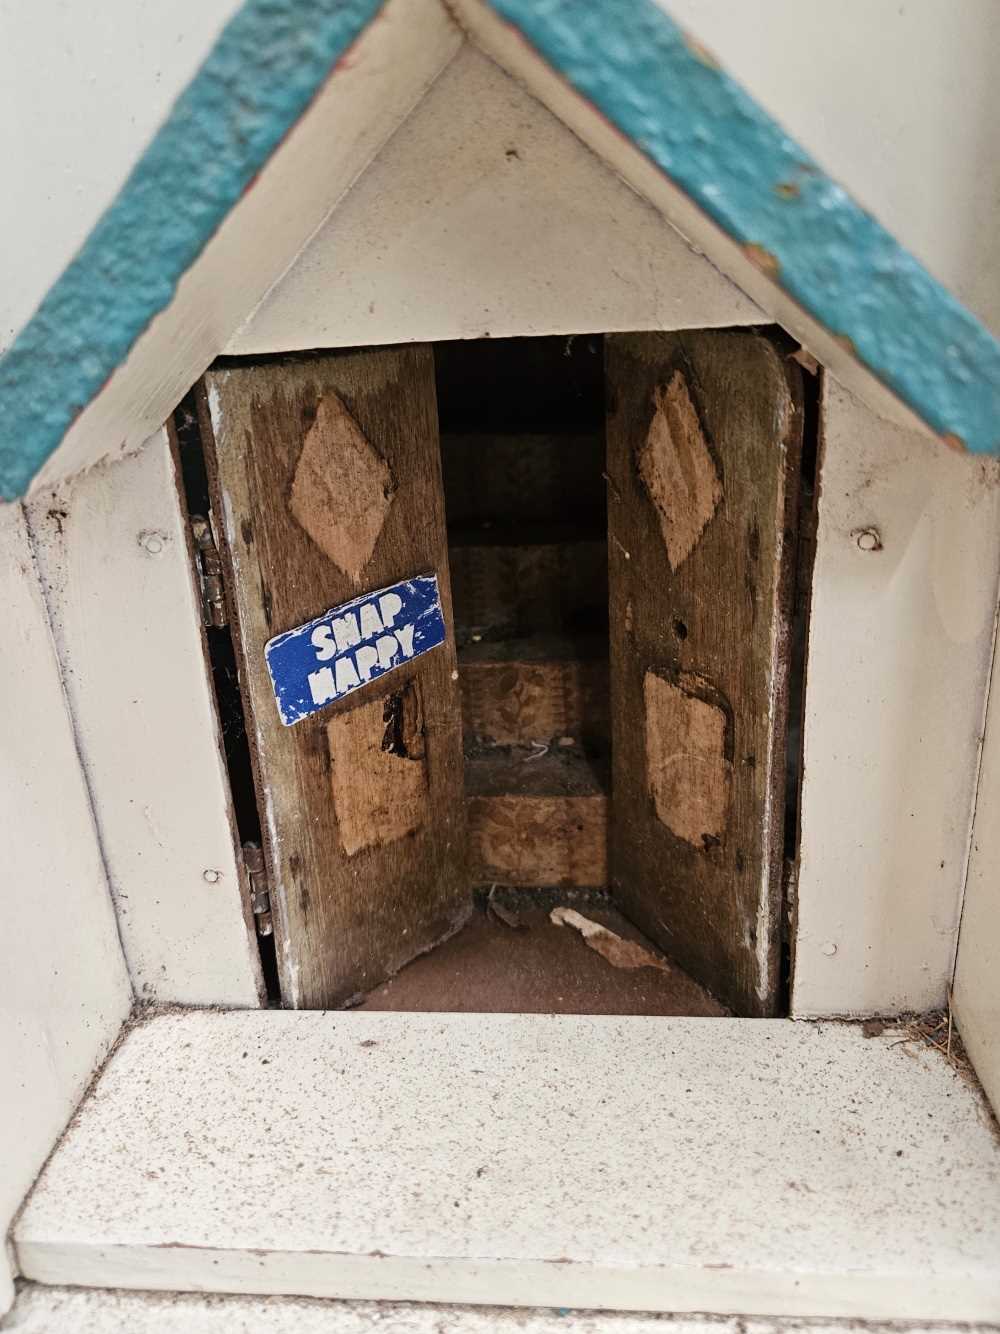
(489, 967)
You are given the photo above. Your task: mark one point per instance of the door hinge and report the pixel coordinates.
(260, 896)
(209, 571)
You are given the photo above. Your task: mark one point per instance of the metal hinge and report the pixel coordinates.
(260, 897)
(209, 570)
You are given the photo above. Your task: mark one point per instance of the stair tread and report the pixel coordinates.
(541, 648)
(525, 771)
(727, 1165)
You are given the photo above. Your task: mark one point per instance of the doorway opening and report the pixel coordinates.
(576, 802)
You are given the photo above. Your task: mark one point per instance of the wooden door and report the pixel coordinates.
(704, 438)
(326, 472)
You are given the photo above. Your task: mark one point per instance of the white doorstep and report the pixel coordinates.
(44, 1310)
(734, 1166)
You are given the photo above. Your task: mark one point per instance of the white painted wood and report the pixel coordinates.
(43, 1310)
(64, 989)
(485, 215)
(729, 1166)
(504, 45)
(112, 547)
(977, 972)
(363, 102)
(319, 161)
(899, 652)
(923, 73)
(111, 74)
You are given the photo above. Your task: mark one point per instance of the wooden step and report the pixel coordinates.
(508, 584)
(524, 477)
(537, 819)
(535, 690)
(538, 840)
(763, 1167)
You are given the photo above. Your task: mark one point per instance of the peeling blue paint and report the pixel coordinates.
(266, 66)
(634, 64)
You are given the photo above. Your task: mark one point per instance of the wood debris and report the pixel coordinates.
(618, 951)
(496, 909)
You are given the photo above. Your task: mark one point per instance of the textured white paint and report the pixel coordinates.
(897, 100)
(513, 54)
(903, 77)
(900, 102)
(315, 165)
(484, 214)
(363, 102)
(734, 1166)
(899, 652)
(977, 975)
(64, 990)
(112, 547)
(42, 1310)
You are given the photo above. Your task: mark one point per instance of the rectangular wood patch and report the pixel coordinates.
(378, 770)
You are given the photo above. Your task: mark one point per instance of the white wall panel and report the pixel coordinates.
(110, 74)
(899, 102)
(899, 652)
(112, 546)
(977, 975)
(64, 989)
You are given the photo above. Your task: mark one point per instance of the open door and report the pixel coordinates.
(327, 478)
(704, 439)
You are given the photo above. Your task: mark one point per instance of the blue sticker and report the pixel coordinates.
(349, 646)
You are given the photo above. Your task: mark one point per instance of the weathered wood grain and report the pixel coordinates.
(366, 848)
(704, 435)
(688, 771)
(537, 820)
(539, 840)
(678, 471)
(527, 477)
(514, 699)
(544, 580)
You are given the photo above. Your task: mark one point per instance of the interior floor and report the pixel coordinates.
(511, 958)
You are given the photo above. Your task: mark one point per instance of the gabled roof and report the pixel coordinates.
(298, 95)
